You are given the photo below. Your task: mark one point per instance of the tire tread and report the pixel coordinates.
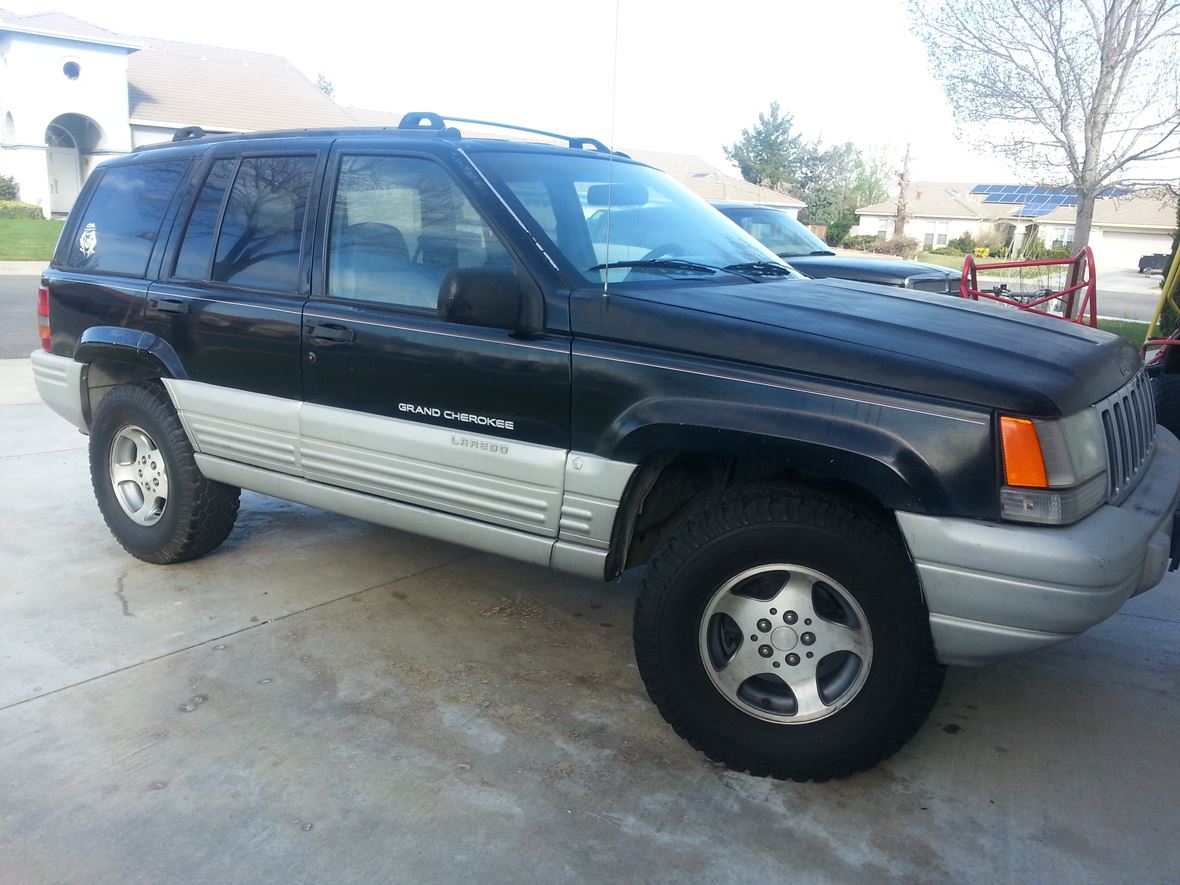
(748, 506)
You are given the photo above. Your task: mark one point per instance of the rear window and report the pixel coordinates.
(262, 226)
(120, 224)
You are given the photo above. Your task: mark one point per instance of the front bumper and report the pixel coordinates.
(995, 589)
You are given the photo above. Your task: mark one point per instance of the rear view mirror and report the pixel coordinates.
(481, 296)
(616, 195)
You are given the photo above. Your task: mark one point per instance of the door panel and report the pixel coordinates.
(507, 483)
(235, 279)
(463, 419)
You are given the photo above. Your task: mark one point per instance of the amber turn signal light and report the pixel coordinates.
(1024, 462)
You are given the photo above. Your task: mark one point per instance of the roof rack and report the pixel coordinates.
(438, 123)
(189, 132)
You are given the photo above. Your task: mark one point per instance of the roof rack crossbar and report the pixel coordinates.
(415, 119)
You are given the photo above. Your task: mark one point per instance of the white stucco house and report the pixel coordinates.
(1124, 227)
(72, 94)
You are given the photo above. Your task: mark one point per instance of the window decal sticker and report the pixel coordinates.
(88, 242)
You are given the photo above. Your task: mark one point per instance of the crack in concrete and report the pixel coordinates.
(245, 629)
(127, 612)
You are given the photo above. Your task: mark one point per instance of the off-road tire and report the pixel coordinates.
(858, 547)
(199, 513)
(1166, 389)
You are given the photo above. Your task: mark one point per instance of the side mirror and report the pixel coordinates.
(481, 296)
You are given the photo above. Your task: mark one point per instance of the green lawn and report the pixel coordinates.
(1129, 329)
(22, 240)
(945, 260)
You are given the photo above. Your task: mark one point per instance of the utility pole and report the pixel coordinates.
(903, 178)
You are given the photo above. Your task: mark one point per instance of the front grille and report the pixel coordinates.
(1128, 421)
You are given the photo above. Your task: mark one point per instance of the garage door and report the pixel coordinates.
(1121, 250)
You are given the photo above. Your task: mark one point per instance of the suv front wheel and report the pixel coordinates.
(151, 493)
(782, 632)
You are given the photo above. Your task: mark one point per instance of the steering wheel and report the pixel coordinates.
(663, 249)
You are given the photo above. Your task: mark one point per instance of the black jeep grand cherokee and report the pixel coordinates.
(833, 495)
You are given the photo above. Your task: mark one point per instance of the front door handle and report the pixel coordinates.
(168, 305)
(330, 333)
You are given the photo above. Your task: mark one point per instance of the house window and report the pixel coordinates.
(1061, 238)
(883, 228)
(936, 233)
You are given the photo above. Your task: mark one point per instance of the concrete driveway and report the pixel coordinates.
(323, 700)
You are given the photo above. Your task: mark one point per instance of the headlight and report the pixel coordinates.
(1054, 471)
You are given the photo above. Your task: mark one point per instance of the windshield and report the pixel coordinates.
(777, 231)
(655, 228)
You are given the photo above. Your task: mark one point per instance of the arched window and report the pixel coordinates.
(59, 136)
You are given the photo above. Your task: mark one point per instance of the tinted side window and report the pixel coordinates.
(121, 222)
(196, 251)
(399, 225)
(262, 230)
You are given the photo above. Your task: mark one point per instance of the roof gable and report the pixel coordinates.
(183, 84)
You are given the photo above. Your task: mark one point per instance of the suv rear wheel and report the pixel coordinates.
(783, 632)
(153, 497)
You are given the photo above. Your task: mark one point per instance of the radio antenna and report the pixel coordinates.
(610, 186)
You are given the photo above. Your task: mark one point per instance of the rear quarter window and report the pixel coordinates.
(121, 223)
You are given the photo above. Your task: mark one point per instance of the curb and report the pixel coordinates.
(22, 268)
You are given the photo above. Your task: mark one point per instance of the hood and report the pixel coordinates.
(980, 354)
(870, 270)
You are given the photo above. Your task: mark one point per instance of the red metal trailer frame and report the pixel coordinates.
(1079, 298)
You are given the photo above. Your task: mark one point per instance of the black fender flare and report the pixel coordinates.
(131, 347)
(886, 454)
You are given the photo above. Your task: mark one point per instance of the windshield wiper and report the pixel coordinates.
(657, 264)
(761, 268)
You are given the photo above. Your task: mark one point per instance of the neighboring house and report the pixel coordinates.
(710, 183)
(72, 94)
(1124, 228)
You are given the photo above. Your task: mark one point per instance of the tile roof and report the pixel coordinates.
(183, 84)
(58, 24)
(709, 182)
(940, 199)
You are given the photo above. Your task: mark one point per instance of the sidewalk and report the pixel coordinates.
(22, 268)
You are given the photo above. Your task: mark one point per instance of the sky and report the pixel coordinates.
(682, 76)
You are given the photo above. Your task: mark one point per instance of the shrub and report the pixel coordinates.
(904, 247)
(981, 252)
(8, 188)
(952, 251)
(14, 209)
(964, 244)
(1058, 253)
(860, 242)
(838, 231)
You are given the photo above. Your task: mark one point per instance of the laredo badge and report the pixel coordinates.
(88, 242)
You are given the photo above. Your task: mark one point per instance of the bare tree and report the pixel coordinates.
(1079, 91)
(903, 197)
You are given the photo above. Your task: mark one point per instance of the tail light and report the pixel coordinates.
(43, 318)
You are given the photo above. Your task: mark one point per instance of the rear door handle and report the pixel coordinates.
(330, 333)
(168, 305)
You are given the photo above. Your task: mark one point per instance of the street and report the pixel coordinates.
(18, 316)
(1125, 294)
(323, 700)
